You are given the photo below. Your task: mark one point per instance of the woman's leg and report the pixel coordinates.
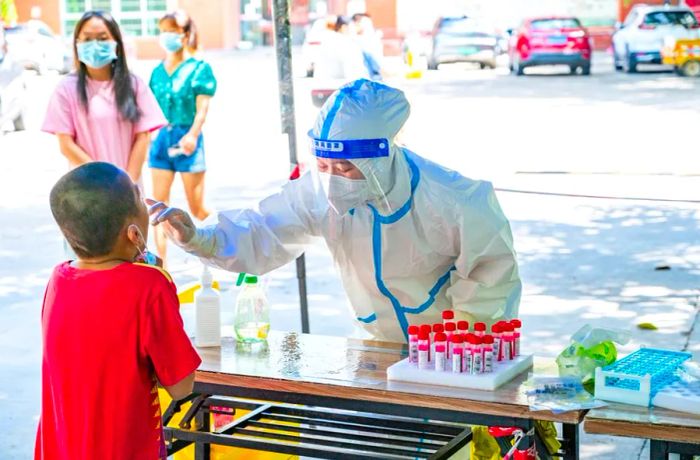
(194, 191)
(162, 183)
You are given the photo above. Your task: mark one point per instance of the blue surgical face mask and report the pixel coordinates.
(171, 41)
(97, 53)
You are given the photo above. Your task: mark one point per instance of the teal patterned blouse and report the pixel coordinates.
(177, 93)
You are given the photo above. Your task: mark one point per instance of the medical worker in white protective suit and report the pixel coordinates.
(409, 237)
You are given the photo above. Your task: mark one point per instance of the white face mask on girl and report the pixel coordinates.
(344, 194)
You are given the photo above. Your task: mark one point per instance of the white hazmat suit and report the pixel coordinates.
(419, 238)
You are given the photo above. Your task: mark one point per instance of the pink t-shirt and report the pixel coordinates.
(101, 131)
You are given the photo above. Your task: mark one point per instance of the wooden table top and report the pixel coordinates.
(644, 422)
(356, 369)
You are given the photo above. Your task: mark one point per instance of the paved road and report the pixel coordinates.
(582, 260)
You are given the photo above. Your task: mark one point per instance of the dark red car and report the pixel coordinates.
(550, 41)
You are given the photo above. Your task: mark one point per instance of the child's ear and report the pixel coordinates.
(134, 235)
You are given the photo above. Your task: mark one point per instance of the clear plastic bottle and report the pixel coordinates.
(252, 316)
(207, 312)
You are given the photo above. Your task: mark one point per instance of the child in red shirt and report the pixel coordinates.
(111, 328)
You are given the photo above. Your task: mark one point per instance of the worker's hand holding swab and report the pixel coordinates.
(177, 224)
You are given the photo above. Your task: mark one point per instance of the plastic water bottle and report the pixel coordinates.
(252, 317)
(207, 312)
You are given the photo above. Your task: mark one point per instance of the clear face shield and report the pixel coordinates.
(352, 173)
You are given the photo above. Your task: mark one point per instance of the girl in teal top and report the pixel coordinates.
(183, 86)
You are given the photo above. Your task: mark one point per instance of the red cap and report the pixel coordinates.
(439, 348)
(438, 327)
(481, 327)
(487, 339)
(476, 340)
(457, 338)
(440, 337)
(427, 328)
(516, 323)
(450, 327)
(422, 335)
(507, 327)
(496, 328)
(448, 314)
(463, 325)
(413, 330)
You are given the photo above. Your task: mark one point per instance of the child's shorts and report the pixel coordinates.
(169, 136)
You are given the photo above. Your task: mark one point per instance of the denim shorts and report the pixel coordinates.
(169, 136)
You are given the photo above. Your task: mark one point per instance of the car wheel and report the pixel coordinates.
(573, 69)
(586, 69)
(629, 63)
(691, 69)
(432, 65)
(616, 61)
(19, 123)
(482, 65)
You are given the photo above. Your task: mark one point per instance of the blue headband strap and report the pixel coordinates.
(349, 149)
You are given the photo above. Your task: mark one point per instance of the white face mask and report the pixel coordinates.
(344, 194)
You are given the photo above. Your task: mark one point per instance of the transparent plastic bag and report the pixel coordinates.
(559, 394)
(590, 348)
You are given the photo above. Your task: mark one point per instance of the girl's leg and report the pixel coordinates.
(194, 191)
(162, 183)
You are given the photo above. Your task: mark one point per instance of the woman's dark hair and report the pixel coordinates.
(183, 20)
(122, 79)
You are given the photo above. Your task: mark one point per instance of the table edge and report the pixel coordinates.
(386, 396)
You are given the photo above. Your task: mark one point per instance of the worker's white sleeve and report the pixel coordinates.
(485, 285)
(260, 240)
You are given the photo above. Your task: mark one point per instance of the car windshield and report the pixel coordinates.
(463, 26)
(555, 24)
(661, 18)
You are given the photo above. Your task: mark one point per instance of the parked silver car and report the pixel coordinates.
(36, 47)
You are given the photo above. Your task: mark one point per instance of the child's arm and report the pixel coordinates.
(166, 343)
(182, 388)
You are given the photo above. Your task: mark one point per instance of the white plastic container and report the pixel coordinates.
(207, 312)
(252, 315)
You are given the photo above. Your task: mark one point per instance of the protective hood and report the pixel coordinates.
(358, 123)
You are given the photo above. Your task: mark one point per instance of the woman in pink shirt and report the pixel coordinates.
(103, 112)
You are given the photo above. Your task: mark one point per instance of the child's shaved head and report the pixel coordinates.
(91, 205)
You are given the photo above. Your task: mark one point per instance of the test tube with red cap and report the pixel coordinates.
(463, 327)
(496, 331)
(480, 329)
(450, 330)
(508, 341)
(517, 324)
(488, 342)
(457, 352)
(448, 316)
(423, 350)
(437, 328)
(477, 355)
(468, 350)
(426, 329)
(440, 351)
(413, 344)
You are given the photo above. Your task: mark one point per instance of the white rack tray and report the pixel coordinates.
(503, 372)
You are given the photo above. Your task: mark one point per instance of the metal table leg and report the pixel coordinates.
(202, 450)
(571, 441)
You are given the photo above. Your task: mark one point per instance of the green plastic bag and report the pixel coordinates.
(590, 348)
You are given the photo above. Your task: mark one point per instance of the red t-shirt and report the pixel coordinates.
(108, 335)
